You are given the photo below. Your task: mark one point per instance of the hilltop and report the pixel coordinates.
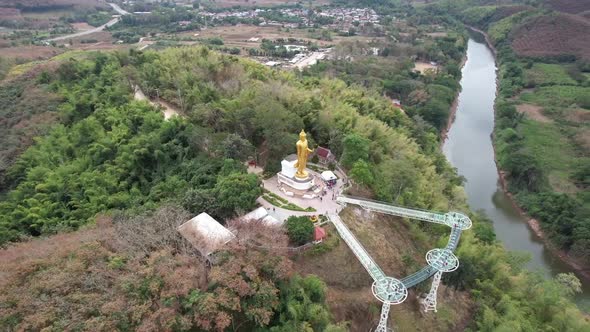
(553, 35)
(570, 6)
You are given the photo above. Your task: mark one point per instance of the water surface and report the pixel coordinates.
(469, 148)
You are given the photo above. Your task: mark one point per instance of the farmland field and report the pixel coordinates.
(545, 36)
(30, 52)
(238, 35)
(570, 6)
(52, 3)
(559, 96)
(548, 74)
(553, 151)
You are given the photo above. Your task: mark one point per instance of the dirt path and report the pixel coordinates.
(533, 112)
(422, 67)
(167, 109)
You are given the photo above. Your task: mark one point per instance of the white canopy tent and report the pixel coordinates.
(328, 175)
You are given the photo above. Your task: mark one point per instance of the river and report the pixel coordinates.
(469, 148)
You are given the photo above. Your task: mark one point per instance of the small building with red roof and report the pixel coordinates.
(319, 234)
(325, 155)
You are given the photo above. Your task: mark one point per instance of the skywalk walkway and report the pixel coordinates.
(390, 290)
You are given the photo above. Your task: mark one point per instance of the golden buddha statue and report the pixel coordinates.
(302, 154)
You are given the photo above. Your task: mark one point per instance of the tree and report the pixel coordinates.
(570, 282)
(356, 148)
(200, 200)
(361, 173)
(524, 170)
(299, 229)
(243, 289)
(44, 77)
(302, 306)
(436, 112)
(235, 147)
(237, 193)
(231, 166)
(484, 230)
(143, 234)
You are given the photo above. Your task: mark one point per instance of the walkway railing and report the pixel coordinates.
(395, 210)
(456, 221)
(357, 249)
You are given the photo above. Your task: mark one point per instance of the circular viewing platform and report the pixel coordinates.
(390, 291)
(442, 259)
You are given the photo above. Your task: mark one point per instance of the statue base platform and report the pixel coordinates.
(295, 182)
(287, 176)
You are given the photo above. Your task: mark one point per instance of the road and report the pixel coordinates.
(97, 29)
(309, 60)
(119, 9)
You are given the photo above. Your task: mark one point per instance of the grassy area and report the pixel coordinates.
(554, 152)
(21, 69)
(25, 67)
(559, 96)
(331, 242)
(548, 74)
(475, 15)
(499, 30)
(283, 203)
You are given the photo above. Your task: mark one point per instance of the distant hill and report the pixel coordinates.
(553, 35)
(42, 5)
(570, 6)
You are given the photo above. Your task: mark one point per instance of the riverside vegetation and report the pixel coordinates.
(542, 113)
(110, 173)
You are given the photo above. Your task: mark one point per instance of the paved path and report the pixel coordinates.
(309, 60)
(119, 9)
(327, 205)
(97, 29)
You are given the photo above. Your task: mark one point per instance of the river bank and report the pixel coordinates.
(444, 133)
(469, 148)
(534, 225)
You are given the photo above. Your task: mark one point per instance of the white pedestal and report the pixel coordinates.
(296, 183)
(288, 168)
(287, 176)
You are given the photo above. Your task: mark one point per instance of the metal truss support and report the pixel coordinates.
(382, 327)
(430, 301)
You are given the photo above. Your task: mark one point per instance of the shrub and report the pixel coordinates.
(215, 41)
(299, 229)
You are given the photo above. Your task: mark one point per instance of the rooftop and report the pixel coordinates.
(205, 233)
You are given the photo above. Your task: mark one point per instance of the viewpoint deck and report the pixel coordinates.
(393, 291)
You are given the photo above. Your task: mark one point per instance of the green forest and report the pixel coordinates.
(110, 153)
(103, 180)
